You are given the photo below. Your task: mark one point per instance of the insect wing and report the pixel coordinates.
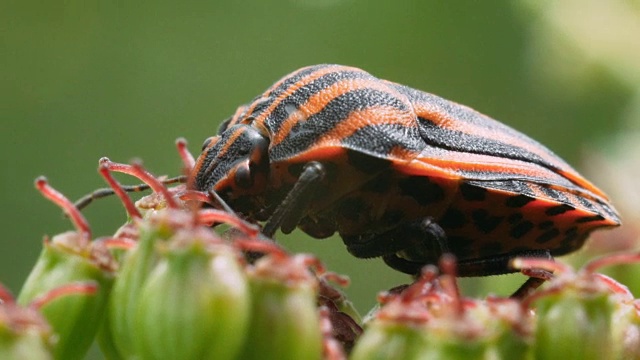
(466, 145)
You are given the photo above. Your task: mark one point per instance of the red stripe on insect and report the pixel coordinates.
(307, 79)
(319, 101)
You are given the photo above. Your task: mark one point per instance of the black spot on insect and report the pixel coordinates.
(571, 231)
(484, 221)
(559, 209)
(515, 218)
(587, 219)
(366, 163)
(461, 246)
(453, 219)
(521, 229)
(570, 238)
(518, 201)
(545, 225)
(520, 249)
(421, 189)
(473, 193)
(564, 249)
(548, 236)
(491, 248)
(379, 185)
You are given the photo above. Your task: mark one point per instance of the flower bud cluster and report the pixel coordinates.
(169, 284)
(578, 315)
(430, 320)
(583, 314)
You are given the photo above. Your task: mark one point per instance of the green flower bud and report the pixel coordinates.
(625, 322)
(195, 302)
(389, 339)
(583, 314)
(25, 345)
(137, 263)
(106, 342)
(626, 331)
(428, 320)
(24, 333)
(74, 319)
(511, 337)
(490, 329)
(395, 328)
(626, 316)
(573, 325)
(164, 215)
(284, 323)
(68, 258)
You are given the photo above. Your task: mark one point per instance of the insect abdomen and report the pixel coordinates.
(482, 222)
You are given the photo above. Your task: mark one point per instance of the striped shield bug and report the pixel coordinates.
(398, 173)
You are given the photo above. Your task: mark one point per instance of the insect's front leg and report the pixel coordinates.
(288, 214)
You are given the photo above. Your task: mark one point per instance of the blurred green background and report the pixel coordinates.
(80, 80)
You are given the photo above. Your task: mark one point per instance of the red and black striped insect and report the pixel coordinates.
(398, 173)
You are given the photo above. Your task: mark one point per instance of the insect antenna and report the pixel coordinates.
(187, 160)
(214, 195)
(104, 192)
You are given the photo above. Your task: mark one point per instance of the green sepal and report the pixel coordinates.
(284, 321)
(137, 263)
(574, 325)
(75, 319)
(386, 340)
(194, 305)
(28, 345)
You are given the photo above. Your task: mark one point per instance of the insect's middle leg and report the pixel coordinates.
(288, 214)
(420, 237)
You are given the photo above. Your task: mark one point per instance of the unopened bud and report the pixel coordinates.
(194, 304)
(70, 258)
(24, 333)
(285, 322)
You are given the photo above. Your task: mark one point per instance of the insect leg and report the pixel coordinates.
(495, 265)
(403, 265)
(288, 214)
(531, 284)
(501, 264)
(404, 237)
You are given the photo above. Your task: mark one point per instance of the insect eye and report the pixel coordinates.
(210, 141)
